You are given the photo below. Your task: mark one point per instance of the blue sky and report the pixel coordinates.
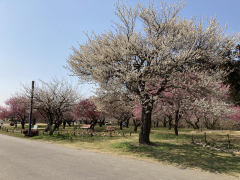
(36, 35)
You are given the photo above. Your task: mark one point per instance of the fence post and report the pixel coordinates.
(205, 137)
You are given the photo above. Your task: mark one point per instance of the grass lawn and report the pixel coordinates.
(168, 149)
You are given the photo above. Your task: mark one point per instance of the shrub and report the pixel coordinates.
(32, 133)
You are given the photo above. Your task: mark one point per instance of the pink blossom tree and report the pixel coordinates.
(235, 116)
(18, 108)
(87, 109)
(180, 102)
(4, 112)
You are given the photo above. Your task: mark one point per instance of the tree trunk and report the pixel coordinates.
(101, 122)
(177, 118)
(164, 122)
(93, 124)
(135, 128)
(69, 123)
(64, 124)
(196, 123)
(127, 123)
(34, 121)
(146, 126)
(170, 122)
(22, 123)
(135, 125)
(50, 129)
(176, 129)
(57, 124)
(120, 123)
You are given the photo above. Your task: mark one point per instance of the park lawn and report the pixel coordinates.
(167, 149)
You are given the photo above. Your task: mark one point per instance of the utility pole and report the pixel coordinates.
(30, 114)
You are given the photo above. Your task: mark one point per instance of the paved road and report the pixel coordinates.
(23, 159)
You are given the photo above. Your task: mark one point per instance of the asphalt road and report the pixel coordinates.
(22, 159)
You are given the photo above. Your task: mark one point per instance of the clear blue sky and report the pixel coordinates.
(35, 35)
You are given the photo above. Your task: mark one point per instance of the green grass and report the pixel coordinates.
(167, 149)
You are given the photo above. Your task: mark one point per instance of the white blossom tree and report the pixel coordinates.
(116, 104)
(53, 99)
(133, 58)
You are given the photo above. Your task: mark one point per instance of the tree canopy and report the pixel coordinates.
(134, 58)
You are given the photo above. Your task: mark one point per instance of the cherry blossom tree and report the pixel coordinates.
(235, 116)
(4, 113)
(16, 108)
(120, 112)
(53, 99)
(19, 107)
(183, 101)
(68, 117)
(87, 109)
(115, 104)
(134, 58)
(103, 114)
